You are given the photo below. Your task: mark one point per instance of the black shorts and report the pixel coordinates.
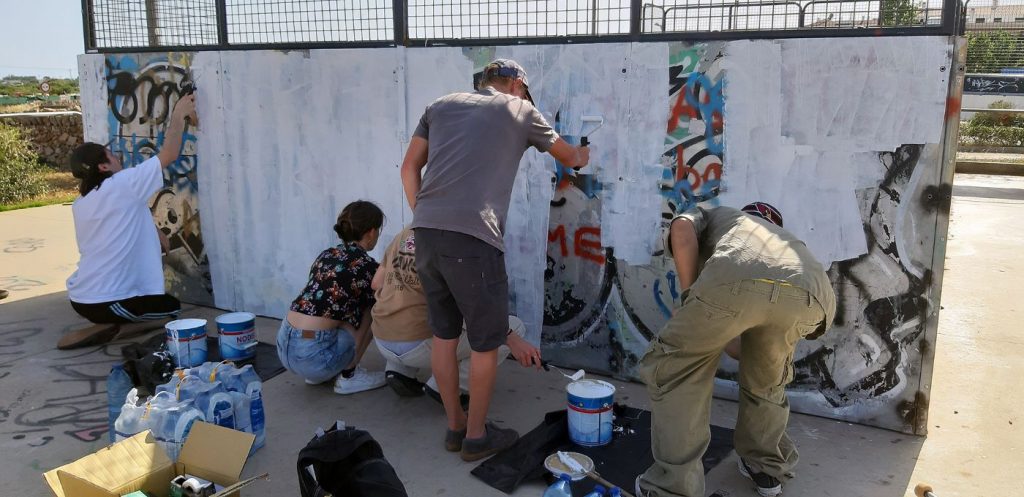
(131, 310)
(464, 279)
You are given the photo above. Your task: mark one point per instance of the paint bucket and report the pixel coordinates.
(590, 412)
(186, 341)
(237, 332)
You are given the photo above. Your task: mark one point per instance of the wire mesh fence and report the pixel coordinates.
(120, 24)
(297, 21)
(147, 23)
(455, 19)
(995, 37)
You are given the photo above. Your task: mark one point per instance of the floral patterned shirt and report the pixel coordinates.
(339, 285)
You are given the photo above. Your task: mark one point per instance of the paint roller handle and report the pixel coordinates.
(585, 141)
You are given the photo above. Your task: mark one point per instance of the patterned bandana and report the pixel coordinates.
(764, 211)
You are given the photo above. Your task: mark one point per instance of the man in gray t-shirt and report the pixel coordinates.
(471, 144)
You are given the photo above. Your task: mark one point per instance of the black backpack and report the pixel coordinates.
(346, 462)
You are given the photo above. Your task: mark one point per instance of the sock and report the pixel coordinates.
(347, 373)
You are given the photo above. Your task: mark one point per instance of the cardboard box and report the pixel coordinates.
(211, 452)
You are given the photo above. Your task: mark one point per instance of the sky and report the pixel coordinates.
(44, 37)
(41, 38)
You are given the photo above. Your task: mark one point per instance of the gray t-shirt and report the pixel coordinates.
(475, 142)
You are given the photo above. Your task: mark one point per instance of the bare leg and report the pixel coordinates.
(732, 349)
(483, 369)
(363, 337)
(446, 373)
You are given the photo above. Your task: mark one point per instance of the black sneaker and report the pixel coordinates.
(403, 385)
(767, 485)
(496, 440)
(436, 396)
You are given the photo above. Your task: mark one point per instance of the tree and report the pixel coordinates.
(991, 51)
(898, 13)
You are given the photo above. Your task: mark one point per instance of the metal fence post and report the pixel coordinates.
(222, 23)
(636, 13)
(88, 26)
(400, 21)
(151, 23)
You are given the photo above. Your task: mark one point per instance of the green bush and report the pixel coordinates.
(21, 175)
(998, 118)
(972, 133)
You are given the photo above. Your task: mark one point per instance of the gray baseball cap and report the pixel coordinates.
(510, 69)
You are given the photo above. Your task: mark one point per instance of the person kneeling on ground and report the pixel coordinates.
(403, 336)
(327, 329)
(742, 276)
(120, 277)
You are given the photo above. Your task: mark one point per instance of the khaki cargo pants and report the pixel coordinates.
(679, 371)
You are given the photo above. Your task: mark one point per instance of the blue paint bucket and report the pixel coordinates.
(237, 332)
(590, 412)
(186, 341)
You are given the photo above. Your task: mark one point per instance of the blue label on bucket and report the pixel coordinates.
(590, 412)
(590, 428)
(186, 341)
(237, 336)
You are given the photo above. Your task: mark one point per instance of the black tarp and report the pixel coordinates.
(619, 462)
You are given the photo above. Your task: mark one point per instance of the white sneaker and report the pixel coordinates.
(360, 381)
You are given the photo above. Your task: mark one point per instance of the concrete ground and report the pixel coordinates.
(53, 403)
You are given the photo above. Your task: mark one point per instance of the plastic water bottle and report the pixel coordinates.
(130, 421)
(615, 492)
(257, 416)
(118, 385)
(560, 488)
(597, 492)
(173, 424)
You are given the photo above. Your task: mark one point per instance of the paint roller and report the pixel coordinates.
(570, 462)
(590, 124)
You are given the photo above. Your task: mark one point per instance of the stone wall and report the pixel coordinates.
(53, 135)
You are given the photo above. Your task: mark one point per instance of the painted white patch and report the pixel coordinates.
(92, 84)
(572, 81)
(290, 140)
(806, 118)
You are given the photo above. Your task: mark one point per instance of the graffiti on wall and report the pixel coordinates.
(609, 308)
(142, 91)
(888, 315)
(600, 313)
(1012, 84)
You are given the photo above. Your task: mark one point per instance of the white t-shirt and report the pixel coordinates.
(118, 245)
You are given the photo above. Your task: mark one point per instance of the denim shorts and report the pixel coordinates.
(317, 357)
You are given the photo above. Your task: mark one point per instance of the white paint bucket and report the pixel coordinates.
(590, 412)
(186, 341)
(237, 336)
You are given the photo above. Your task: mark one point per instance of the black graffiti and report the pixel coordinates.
(937, 198)
(78, 411)
(897, 320)
(124, 92)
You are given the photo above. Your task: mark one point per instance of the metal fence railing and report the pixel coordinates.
(995, 37)
(140, 25)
